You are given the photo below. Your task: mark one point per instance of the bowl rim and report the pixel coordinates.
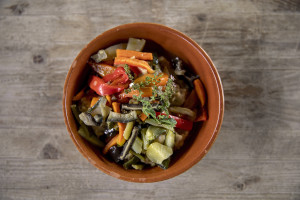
(216, 128)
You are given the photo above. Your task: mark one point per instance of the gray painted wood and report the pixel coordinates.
(255, 46)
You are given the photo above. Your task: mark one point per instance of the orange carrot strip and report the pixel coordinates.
(143, 117)
(111, 143)
(200, 91)
(136, 54)
(79, 95)
(134, 62)
(116, 107)
(108, 97)
(94, 101)
(162, 80)
(147, 92)
(121, 140)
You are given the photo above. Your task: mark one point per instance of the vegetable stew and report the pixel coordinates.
(138, 104)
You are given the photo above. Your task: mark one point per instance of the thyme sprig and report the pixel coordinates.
(161, 94)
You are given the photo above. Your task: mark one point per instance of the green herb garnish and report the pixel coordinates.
(128, 72)
(157, 95)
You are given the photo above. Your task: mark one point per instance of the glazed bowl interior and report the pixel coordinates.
(200, 138)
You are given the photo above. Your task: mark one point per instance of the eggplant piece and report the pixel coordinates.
(155, 63)
(179, 71)
(129, 143)
(178, 65)
(115, 153)
(98, 130)
(88, 119)
(98, 118)
(179, 95)
(85, 131)
(100, 108)
(123, 118)
(109, 134)
(190, 79)
(137, 106)
(183, 111)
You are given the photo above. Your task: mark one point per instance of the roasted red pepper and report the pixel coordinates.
(100, 87)
(119, 74)
(181, 123)
(135, 70)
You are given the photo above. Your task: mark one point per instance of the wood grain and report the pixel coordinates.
(255, 46)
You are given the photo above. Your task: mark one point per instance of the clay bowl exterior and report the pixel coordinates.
(200, 138)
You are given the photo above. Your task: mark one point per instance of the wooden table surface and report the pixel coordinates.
(255, 46)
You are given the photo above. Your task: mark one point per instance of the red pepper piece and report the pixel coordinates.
(119, 74)
(100, 87)
(135, 70)
(181, 123)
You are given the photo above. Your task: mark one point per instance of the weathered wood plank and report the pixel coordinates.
(255, 46)
(247, 179)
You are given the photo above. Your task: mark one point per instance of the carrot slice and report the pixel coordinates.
(116, 107)
(200, 91)
(162, 80)
(135, 54)
(134, 62)
(108, 97)
(94, 101)
(111, 143)
(143, 117)
(121, 140)
(79, 95)
(147, 92)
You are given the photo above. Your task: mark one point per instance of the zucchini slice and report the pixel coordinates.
(128, 130)
(153, 132)
(145, 141)
(157, 152)
(137, 145)
(170, 139)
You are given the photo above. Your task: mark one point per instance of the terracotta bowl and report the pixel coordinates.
(200, 138)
